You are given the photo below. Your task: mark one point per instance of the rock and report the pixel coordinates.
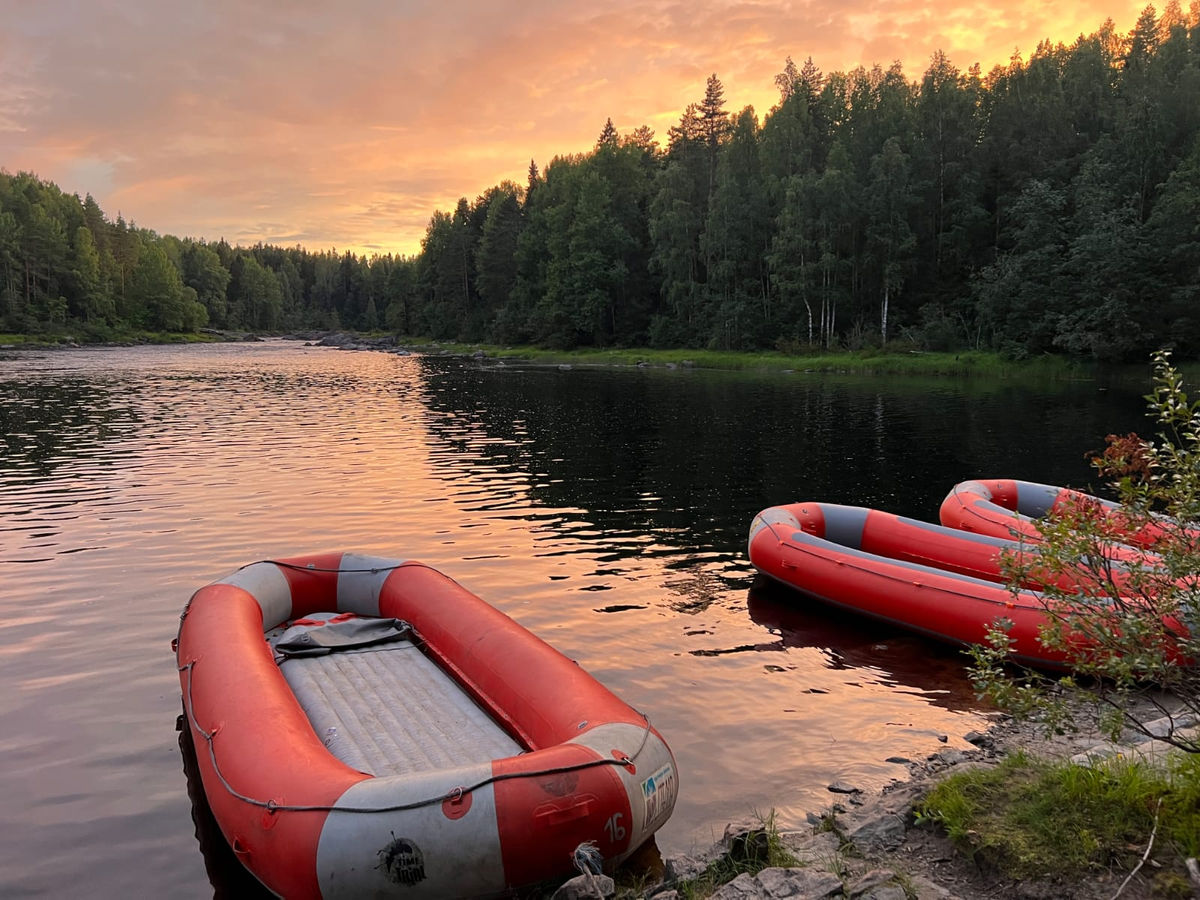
(343, 341)
(744, 887)
(800, 883)
(681, 867)
(586, 887)
(840, 787)
(950, 756)
(979, 739)
(745, 840)
(884, 832)
(924, 889)
(817, 850)
(870, 881)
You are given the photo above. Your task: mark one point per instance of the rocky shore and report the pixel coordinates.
(871, 847)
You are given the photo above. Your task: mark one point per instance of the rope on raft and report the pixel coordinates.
(453, 794)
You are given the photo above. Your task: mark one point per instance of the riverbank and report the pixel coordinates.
(900, 360)
(891, 846)
(863, 362)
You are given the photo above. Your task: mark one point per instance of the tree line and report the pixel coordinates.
(1051, 205)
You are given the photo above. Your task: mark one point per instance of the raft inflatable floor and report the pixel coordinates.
(390, 710)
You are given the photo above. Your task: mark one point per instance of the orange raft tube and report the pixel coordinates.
(1010, 509)
(337, 813)
(940, 582)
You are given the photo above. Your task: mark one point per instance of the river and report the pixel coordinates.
(605, 509)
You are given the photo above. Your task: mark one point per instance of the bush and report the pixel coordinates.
(1129, 625)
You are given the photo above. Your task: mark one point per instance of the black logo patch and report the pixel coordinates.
(402, 861)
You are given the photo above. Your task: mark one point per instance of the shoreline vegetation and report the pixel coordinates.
(1046, 206)
(1024, 814)
(907, 361)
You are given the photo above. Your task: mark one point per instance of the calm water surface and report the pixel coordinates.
(606, 510)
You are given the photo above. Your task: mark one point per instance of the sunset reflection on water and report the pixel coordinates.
(605, 510)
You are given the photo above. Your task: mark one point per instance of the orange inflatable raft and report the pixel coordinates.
(1010, 509)
(368, 727)
(941, 582)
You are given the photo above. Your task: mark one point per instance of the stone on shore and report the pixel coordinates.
(586, 887)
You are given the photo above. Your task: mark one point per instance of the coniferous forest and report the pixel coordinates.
(1049, 205)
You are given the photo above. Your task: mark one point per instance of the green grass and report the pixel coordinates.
(865, 362)
(1029, 818)
(85, 337)
(899, 361)
(762, 850)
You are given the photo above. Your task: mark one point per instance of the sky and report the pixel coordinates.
(345, 125)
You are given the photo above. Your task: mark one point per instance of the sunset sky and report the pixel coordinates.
(346, 125)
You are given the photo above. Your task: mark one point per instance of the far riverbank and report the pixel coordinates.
(903, 361)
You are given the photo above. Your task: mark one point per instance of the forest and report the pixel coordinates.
(1051, 205)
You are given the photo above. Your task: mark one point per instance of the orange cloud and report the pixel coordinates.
(348, 125)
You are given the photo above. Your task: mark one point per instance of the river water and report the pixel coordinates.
(605, 509)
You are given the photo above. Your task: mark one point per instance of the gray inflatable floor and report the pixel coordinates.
(389, 710)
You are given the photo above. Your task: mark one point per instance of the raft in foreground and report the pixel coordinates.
(368, 727)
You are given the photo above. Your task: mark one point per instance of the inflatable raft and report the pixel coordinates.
(366, 727)
(941, 582)
(1010, 509)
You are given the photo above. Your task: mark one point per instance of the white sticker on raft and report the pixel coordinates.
(660, 791)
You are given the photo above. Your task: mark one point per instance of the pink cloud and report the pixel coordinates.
(348, 124)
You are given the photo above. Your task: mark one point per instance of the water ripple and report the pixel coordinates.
(607, 511)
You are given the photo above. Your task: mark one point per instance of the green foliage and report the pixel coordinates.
(1047, 206)
(156, 290)
(762, 849)
(1032, 818)
(1124, 622)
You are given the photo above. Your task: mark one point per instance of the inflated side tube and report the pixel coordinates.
(937, 581)
(592, 769)
(1010, 509)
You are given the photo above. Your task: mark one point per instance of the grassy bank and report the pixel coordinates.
(866, 362)
(33, 341)
(1032, 818)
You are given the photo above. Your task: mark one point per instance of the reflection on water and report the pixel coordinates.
(229, 878)
(910, 663)
(607, 510)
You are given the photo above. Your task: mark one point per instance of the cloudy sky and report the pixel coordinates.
(346, 124)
